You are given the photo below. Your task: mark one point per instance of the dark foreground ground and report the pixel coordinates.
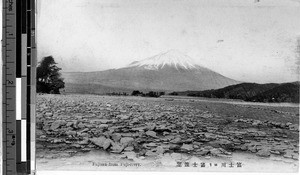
(88, 128)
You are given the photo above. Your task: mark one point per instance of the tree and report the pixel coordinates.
(136, 93)
(173, 93)
(48, 76)
(161, 93)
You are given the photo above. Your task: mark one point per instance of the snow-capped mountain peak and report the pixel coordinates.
(172, 58)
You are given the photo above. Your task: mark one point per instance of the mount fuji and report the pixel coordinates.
(168, 71)
(171, 58)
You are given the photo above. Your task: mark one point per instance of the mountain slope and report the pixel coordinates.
(286, 92)
(93, 89)
(169, 71)
(272, 92)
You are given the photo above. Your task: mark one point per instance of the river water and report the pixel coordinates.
(230, 101)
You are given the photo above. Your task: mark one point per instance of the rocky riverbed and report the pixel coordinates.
(137, 128)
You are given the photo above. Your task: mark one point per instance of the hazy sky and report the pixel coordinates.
(240, 39)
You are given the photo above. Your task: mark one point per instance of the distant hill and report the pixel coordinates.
(272, 92)
(93, 89)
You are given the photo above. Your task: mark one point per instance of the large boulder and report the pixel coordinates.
(125, 141)
(102, 142)
(106, 144)
(263, 153)
(116, 147)
(116, 137)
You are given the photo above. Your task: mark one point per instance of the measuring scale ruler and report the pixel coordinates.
(19, 86)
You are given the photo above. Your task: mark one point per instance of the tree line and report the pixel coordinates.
(117, 94)
(147, 94)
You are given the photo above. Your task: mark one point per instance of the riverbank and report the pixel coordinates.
(77, 128)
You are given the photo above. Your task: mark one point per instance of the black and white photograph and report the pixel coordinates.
(168, 85)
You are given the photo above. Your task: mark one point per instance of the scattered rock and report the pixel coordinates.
(106, 144)
(263, 153)
(123, 117)
(71, 133)
(187, 147)
(48, 114)
(151, 133)
(151, 153)
(135, 120)
(151, 126)
(215, 152)
(156, 128)
(166, 133)
(56, 124)
(103, 126)
(85, 149)
(116, 137)
(274, 152)
(81, 125)
(176, 140)
(160, 150)
(129, 148)
(176, 156)
(99, 141)
(84, 142)
(126, 140)
(130, 155)
(117, 147)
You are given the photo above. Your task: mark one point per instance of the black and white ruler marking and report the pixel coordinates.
(19, 69)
